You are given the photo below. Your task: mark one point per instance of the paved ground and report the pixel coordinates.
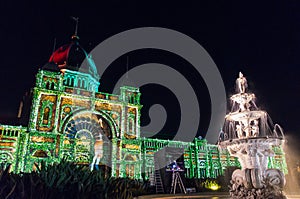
(209, 195)
(293, 196)
(214, 195)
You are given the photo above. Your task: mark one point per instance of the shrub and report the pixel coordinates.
(66, 180)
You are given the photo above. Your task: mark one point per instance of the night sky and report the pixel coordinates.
(261, 39)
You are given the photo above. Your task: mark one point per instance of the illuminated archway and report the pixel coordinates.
(82, 131)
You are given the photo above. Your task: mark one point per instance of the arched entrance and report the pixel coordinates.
(130, 163)
(82, 133)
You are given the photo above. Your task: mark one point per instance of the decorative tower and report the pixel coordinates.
(250, 135)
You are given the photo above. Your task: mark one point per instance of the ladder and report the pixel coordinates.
(176, 179)
(159, 188)
(152, 179)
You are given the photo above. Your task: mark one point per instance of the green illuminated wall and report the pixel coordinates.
(63, 123)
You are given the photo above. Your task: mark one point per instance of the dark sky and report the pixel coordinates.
(260, 38)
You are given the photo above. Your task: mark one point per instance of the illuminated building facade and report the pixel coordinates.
(63, 121)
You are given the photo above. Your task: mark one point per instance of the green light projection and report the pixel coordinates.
(66, 108)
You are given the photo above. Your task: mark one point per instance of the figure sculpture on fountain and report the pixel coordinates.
(239, 130)
(255, 128)
(241, 83)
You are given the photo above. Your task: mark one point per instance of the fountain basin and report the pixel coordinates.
(245, 115)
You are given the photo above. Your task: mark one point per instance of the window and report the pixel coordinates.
(72, 82)
(129, 170)
(52, 86)
(79, 83)
(46, 115)
(130, 126)
(48, 85)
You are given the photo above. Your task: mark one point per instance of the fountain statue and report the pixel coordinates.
(249, 135)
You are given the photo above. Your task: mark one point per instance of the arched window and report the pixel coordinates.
(48, 85)
(132, 99)
(79, 83)
(130, 127)
(129, 170)
(130, 166)
(65, 82)
(72, 82)
(46, 115)
(52, 86)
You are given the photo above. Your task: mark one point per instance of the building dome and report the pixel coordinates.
(72, 56)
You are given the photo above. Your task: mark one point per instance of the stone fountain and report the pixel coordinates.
(249, 135)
